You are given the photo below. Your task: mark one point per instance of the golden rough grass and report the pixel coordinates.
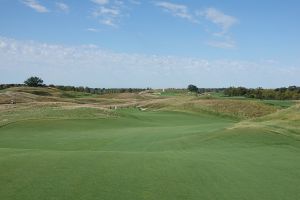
(243, 109)
(51, 110)
(292, 114)
(284, 122)
(23, 97)
(31, 105)
(240, 109)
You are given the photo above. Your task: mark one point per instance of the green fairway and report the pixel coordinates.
(148, 155)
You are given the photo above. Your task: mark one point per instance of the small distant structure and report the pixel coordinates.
(113, 107)
(164, 90)
(141, 108)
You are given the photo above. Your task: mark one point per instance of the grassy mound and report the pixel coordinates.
(239, 109)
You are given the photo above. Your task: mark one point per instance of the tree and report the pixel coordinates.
(34, 81)
(192, 88)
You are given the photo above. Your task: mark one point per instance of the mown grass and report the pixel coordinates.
(146, 155)
(181, 147)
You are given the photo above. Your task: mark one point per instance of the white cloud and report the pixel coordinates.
(100, 2)
(110, 12)
(177, 10)
(93, 30)
(89, 65)
(62, 7)
(225, 22)
(226, 44)
(35, 5)
(108, 16)
(103, 11)
(109, 22)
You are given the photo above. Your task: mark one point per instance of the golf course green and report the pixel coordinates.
(153, 154)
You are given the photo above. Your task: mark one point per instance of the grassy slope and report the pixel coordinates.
(158, 154)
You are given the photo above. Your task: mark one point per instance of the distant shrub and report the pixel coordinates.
(192, 88)
(34, 82)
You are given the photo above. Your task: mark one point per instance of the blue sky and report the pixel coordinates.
(135, 43)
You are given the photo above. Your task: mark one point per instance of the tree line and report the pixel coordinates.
(98, 90)
(283, 93)
(193, 88)
(82, 89)
(38, 82)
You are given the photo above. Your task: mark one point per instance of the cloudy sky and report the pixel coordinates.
(141, 43)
